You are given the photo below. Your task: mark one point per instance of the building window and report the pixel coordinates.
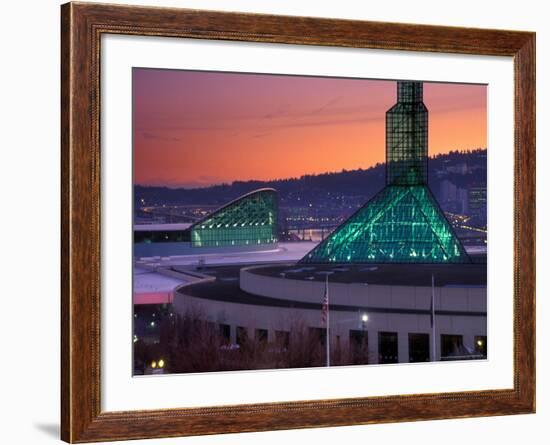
(318, 335)
(282, 339)
(359, 347)
(452, 347)
(242, 335)
(387, 347)
(225, 333)
(419, 348)
(261, 336)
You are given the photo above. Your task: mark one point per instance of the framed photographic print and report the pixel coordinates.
(276, 222)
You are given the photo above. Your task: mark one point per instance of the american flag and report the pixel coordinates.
(324, 310)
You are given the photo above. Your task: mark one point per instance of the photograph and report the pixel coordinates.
(290, 221)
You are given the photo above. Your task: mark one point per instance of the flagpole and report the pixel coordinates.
(328, 322)
(433, 321)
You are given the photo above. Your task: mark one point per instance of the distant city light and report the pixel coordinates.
(161, 363)
(153, 364)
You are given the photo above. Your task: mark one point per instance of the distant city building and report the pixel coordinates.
(403, 223)
(461, 168)
(453, 198)
(477, 202)
(447, 191)
(462, 200)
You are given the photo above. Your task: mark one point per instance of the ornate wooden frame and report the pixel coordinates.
(81, 27)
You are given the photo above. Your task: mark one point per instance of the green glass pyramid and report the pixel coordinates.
(403, 223)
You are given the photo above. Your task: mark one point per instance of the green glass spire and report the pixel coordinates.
(403, 223)
(407, 137)
(248, 220)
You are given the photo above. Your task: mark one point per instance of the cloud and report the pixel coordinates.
(264, 124)
(155, 137)
(326, 106)
(261, 135)
(174, 181)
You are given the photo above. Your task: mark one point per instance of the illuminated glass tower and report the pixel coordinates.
(403, 223)
(407, 137)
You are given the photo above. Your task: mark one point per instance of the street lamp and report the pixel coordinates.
(364, 319)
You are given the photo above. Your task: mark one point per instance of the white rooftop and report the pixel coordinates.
(285, 252)
(151, 287)
(161, 227)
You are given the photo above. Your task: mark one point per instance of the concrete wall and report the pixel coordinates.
(380, 297)
(471, 299)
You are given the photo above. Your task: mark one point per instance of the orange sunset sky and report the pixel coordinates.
(195, 129)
